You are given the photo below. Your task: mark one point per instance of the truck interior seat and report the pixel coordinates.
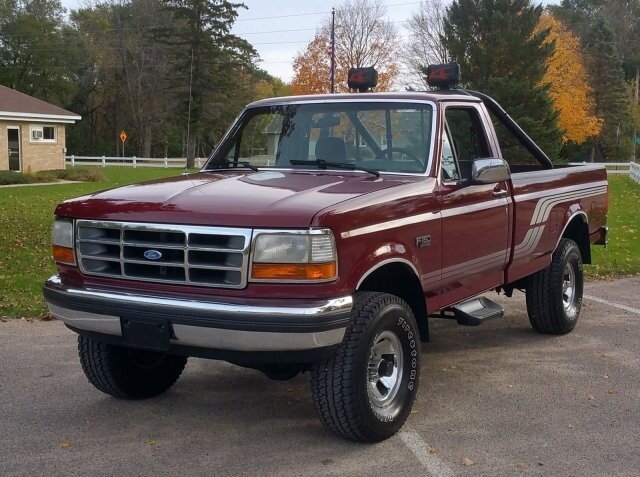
(331, 149)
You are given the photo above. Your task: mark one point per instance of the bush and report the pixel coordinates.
(12, 177)
(80, 175)
(84, 175)
(74, 174)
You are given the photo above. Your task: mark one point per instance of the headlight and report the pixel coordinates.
(308, 255)
(62, 242)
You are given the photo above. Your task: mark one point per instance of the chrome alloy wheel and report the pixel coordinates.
(384, 373)
(569, 290)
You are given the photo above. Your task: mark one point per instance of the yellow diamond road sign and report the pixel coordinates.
(123, 136)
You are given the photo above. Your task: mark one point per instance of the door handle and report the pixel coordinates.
(9, 151)
(498, 192)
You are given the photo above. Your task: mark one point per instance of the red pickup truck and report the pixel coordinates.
(322, 235)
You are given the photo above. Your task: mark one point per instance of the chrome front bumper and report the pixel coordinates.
(202, 324)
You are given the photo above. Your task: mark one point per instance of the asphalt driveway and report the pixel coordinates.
(498, 399)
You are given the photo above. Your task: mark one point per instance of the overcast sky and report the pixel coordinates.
(279, 29)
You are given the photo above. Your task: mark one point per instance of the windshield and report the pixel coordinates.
(381, 136)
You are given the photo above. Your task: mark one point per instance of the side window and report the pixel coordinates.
(468, 137)
(448, 161)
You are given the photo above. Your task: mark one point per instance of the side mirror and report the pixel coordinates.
(489, 171)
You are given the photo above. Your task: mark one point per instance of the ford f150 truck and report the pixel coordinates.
(322, 235)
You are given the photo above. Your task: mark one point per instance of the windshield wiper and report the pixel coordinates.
(322, 164)
(235, 163)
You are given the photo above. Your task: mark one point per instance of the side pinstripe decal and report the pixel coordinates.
(544, 206)
(541, 214)
(531, 239)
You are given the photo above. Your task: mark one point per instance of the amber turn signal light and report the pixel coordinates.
(293, 271)
(63, 255)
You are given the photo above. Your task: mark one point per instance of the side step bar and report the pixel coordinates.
(473, 312)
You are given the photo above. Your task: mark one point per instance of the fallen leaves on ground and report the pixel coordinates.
(467, 462)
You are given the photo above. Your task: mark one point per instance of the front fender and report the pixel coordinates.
(383, 254)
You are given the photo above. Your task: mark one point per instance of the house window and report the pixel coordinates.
(44, 133)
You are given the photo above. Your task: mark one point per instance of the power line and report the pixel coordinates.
(104, 47)
(315, 13)
(280, 16)
(140, 28)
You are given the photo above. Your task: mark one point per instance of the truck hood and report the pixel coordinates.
(229, 198)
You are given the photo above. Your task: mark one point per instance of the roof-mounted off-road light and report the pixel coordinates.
(362, 79)
(443, 76)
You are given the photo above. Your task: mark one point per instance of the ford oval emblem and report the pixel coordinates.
(153, 254)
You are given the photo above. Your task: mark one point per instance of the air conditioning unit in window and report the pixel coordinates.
(36, 134)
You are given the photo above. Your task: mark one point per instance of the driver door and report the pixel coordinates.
(475, 217)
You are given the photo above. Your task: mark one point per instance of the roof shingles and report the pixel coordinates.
(12, 101)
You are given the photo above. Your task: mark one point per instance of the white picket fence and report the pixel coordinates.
(133, 161)
(635, 172)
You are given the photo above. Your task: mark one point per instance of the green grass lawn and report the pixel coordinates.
(622, 255)
(26, 214)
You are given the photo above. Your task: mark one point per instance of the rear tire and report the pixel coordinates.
(554, 295)
(128, 373)
(366, 390)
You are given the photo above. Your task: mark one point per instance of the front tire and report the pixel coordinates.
(128, 373)
(366, 390)
(554, 295)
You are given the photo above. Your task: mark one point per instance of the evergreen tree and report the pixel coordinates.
(211, 64)
(501, 53)
(612, 102)
(610, 34)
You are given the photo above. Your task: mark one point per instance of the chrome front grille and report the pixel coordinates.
(203, 256)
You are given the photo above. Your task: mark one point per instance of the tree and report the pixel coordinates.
(587, 18)
(207, 61)
(425, 47)
(32, 44)
(362, 38)
(611, 96)
(143, 69)
(267, 86)
(502, 54)
(312, 68)
(569, 89)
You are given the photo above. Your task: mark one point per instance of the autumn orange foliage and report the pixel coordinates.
(312, 66)
(312, 69)
(570, 89)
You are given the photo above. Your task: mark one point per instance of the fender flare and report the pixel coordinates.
(387, 262)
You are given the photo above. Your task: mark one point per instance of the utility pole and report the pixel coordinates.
(635, 129)
(333, 51)
(186, 164)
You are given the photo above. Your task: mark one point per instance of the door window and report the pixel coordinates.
(468, 138)
(448, 160)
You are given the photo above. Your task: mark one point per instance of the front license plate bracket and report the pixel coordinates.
(149, 334)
